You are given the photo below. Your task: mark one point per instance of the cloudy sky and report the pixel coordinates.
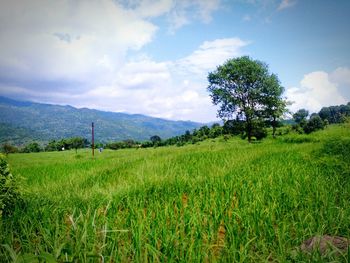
(153, 57)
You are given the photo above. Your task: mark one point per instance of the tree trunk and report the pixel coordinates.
(249, 130)
(274, 127)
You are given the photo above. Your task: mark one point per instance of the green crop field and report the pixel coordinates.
(217, 201)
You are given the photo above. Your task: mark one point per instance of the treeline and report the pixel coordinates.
(316, 121)
(59, 145)
(193, 137)
(335, 114)
(229, 128)
(303, 123)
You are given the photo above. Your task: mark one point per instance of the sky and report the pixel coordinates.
(153, 57)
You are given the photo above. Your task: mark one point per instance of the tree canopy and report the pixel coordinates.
(246, 90)
(300, 116)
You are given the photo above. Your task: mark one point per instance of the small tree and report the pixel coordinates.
(215, 130)
(32, 147)
(300, 116)
(315, 123)
(8, 148)
(77, 142)
(245, 89)
(155, 139)
(51, 146)
(203, 131)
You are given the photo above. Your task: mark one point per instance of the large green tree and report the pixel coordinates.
(246, 90)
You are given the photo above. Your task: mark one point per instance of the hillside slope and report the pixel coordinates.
(23, 121)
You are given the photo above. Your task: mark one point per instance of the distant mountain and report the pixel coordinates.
(23, 121)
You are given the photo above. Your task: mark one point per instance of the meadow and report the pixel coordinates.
(216, 201)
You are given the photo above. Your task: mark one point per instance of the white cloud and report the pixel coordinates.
(211, 54)
(142, 86)
(143, 74)
(184, 12)
(316, 90)
(341, 75)
(67, 40)
(78, 53)
(286, 4)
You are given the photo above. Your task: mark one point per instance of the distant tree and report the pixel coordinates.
(155, 139)
(32, 147)
(335, 114)
(51, 146)
(129, 143)
(325, 114)
(314, 123)
(187, 136)
(76, 143)
(146, 144)
(215, 130)
(300, 116)
(203, 131)
(244, 88)
(7, 148)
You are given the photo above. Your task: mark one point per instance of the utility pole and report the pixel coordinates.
(92, 140)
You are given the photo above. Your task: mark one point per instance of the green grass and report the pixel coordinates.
(216, 201)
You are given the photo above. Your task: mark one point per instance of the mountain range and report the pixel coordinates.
(23, 121)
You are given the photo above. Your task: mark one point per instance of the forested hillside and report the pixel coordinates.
(21, 122)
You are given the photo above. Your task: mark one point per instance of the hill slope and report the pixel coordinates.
(24, 121)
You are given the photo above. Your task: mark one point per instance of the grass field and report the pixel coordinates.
(214, 201)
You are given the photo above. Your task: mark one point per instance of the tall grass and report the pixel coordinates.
(216, 201)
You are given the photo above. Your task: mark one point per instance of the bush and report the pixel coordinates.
(314, 124)
(9, 194)
(8, 148)
(33, 147)
(297, 128)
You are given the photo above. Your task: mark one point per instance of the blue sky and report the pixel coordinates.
(153, 57)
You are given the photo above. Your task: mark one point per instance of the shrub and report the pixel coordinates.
(9, 195)
(314, 124)
(297, 128)
(8, 148)
(33, 147)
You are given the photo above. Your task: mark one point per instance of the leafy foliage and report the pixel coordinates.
(300, 116)
(315, 123)
(9, 194)
(155, 139)
(335, 114)
(246, 90)
(7, 148)
(32, 147)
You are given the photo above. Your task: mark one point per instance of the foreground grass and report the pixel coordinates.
(217, 201)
